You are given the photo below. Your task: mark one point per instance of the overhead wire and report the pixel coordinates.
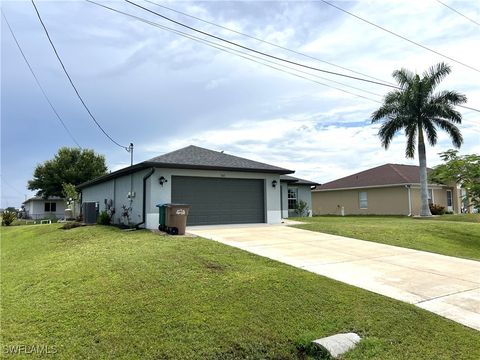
(286, 60)
(3, 181)
(459, 13)
(266, 42)
(169, 29)
(73, 85)
(254, 50)
(397, 35)
(246, 56)
(38, 82)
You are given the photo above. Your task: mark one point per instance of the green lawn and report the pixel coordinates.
(454, 235)
(98, 292)
(474, 218)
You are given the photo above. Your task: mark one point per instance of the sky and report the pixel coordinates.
(162, 91)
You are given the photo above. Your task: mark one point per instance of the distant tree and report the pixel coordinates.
(69, 166)
(417, 110)
(463, 170)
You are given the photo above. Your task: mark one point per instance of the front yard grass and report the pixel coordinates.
(453, 235)
(97, 292)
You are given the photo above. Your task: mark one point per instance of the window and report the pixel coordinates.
(363, 200)
(449, 198)
(430, 196)
(50, 207)
(292, 198)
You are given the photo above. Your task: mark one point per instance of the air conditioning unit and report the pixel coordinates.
(89, 211)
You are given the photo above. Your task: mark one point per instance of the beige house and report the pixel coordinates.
(389, 189)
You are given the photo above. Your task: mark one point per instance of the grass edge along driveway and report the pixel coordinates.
(98, 292)
(451, 236)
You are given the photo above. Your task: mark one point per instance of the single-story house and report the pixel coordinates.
(221, 189)
(40, 208)
(389, 189)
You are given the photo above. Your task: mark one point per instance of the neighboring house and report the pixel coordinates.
(389, 189)
(221, 188)
(294, 190)
(40, 208)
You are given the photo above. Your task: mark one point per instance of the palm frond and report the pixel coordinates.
(451, 129)
(430, 131)
(391, 107)
(404, 77)
(435, 74)
(411, 134)
(388, 130)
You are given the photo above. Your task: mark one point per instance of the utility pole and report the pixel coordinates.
(130, 150)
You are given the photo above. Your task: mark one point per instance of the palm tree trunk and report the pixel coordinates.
(422, 157)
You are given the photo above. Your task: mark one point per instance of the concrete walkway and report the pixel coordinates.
(445, 285)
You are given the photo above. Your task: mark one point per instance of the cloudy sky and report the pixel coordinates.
(162, 91)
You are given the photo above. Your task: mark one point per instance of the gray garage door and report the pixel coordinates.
(220, 200)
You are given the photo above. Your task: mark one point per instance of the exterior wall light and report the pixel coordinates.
(274, 183)
(162, 180)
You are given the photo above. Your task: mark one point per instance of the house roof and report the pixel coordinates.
(195, 157)
(297, 181)
(384, 175)
(39, 198)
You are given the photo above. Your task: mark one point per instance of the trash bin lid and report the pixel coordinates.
(178, 205)
(159, 205)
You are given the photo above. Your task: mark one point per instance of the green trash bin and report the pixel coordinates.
(161, 217)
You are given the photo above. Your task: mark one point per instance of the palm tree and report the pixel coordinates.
(418, 111)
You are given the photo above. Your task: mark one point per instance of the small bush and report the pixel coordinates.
(71, 225)
(8, 217)
(103, 218)
(437, 209)
(301, 208)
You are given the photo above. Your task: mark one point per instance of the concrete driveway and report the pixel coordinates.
(445, 285)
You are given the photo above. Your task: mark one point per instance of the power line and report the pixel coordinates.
(459, 13)
(10, 185)
(266, 42)
(218, 45)
(73, 85)
(397, 35)
(246, 56)
(253, 50)
(468, 108)
(38, 82)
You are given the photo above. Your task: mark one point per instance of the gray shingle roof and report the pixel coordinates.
(39, 198)
(384, 175)
(194, 157)
(197, 157)
(298, 181)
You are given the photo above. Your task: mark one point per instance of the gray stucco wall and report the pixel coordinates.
(117, 190)
(304, 193)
